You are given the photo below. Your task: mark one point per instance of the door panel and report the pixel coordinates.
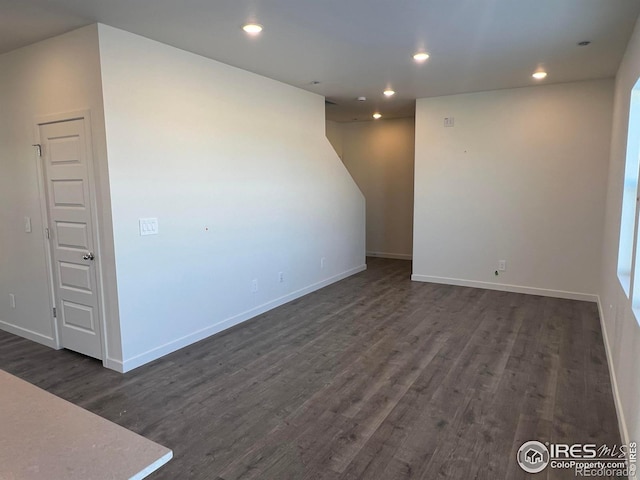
(64, 155)
(72, 236)
(75, 277)
(76, 316)
(68, 193)
(65, 149)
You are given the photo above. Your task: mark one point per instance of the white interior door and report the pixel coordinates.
(65, 156)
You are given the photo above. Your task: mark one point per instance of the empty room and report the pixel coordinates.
(294, 240)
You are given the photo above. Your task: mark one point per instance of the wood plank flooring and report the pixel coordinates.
(375, 377)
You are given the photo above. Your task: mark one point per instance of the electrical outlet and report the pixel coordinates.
(322, 262)
(254, 285)
(12, 300)
(281, 277)
(502, 265)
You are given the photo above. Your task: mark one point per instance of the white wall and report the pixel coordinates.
(199, 144)
(380, 157)
(55, 76)
(334, 135)
(520, 177)
(622, 333)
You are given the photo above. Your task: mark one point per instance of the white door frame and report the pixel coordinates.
(90, 154)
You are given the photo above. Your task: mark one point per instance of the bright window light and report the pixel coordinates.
(628, 217)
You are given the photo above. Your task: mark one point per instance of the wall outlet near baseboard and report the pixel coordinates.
(502, 265)
(322, 263)
(254, 285)
(12, 300)
(281, 277)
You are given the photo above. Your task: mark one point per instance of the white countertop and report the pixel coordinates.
(45, 437)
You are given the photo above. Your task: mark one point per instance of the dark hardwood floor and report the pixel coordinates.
(375, 377)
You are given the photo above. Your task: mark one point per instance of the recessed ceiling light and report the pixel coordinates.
(388, 92)
(377, 115)
(539, 75)
(362, 99)
(421, 56)
(252, 28)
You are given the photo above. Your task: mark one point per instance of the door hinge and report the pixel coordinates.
(46, 232)
(39, 147)
(55, 314)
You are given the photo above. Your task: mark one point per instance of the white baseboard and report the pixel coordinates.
(588, 297)
(622, 424)
(397, 256)
(28, 334)
(113, 364)
(162, 350)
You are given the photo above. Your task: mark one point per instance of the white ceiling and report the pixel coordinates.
(359, 47)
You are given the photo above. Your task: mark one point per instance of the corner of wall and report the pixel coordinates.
(111, 311)
(620, 330)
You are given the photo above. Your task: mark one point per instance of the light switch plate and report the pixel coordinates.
(148, 226)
